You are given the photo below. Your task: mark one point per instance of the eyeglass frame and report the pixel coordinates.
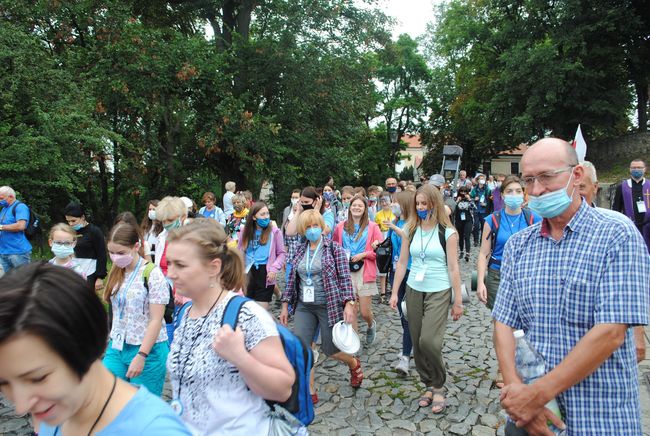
(65, 243)
(529, 181)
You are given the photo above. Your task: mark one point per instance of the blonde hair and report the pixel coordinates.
(123, 234)
(210, 240)
(230, 186)
(406, 201)
(434, 201)
(62, 227)
(308, 218)
(170, 207)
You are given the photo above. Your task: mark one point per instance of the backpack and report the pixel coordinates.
(169, 308)
(33, 226)
(496, 224)
(299, 403)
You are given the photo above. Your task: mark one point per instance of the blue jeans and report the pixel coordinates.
(11, 261)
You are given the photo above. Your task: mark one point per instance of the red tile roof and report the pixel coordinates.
(412, 141)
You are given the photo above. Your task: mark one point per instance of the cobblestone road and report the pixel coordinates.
(386, 404)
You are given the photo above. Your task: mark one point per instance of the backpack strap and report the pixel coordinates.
(528, 217)
(146, 273)
(443, 241)
(496, 224)
(231, 312)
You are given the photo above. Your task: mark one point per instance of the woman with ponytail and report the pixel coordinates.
(138, 348)
(220, 377)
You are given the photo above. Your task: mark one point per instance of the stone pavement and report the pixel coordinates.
(386, 404)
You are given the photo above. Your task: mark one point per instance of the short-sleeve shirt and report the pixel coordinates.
(227, 203)
(144, 414)
(14, 242)
(384, 215)
(397, 245)
(74, 264)
(214, 395)
(508, 226)
(131, 306)
(556, 291)
(434, 265)
(257, 253)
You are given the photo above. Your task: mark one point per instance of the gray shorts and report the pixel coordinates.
(307, 319)
(492, 281)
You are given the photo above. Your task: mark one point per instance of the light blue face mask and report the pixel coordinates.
(263, 222)
(313, 233)
(513, 202)
(551, 204)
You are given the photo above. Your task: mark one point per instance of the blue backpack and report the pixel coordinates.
(299, 403)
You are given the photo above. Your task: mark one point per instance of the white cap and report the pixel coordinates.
(187, 202)
(519, 334)
(345, 338)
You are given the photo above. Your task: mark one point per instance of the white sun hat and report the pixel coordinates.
(345, 338)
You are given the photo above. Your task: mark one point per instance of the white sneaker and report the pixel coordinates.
(402, 366)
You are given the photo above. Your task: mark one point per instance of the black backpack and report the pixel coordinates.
(496, 224)
(33, 226)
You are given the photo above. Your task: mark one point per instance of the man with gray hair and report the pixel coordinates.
(15, 249)
(589, 185)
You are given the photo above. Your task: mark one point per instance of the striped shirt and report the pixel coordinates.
(556, 291)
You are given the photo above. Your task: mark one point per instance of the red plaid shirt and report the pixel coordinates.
(336, 280)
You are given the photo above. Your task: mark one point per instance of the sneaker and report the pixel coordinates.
(315, 355)
(402, 366)
(460, 255)
(371, 333)
(467, 258)
(356, 375)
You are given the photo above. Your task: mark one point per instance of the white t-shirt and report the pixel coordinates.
(228, 208)
(215, 398)
(131, 306)
(160, 247)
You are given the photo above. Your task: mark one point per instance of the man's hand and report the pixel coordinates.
(639, 341)
(522, 402)
(539, 425)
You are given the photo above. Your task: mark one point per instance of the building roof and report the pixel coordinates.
(412, 141)
(519, 151)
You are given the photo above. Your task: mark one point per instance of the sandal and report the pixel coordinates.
(356, 375)
(439, 405)
(314, 398)
(424, 400)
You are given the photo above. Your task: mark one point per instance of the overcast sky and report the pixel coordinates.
(412, 15)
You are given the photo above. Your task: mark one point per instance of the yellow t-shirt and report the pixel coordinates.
(384, 215)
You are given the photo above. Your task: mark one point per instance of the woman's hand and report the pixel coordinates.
(358, 257)
(349, 313)
(99, 284)
(374, 244)
(270, 275)
(456, 311)
(284, 314)
(318, 203)
(393, 301)
(136, 366)
(481, 292)
(229, 344)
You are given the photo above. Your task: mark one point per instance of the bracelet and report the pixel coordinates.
(143, 354)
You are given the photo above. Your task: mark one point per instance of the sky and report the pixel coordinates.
(412, 15)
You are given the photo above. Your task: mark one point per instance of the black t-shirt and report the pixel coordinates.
(91, 245)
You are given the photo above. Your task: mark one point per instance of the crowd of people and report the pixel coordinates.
(76, 336)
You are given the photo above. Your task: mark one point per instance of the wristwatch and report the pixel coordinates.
(1, 227)
(352, 302)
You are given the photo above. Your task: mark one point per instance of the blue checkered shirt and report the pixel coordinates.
(556, 291)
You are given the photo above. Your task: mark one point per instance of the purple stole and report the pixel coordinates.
(629, 206)
(497, 200)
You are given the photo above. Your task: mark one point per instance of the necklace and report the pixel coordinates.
(423, 248)
(101, 413)
(510, 221)
(176, 404)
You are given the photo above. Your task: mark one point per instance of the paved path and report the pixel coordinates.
(386, 404)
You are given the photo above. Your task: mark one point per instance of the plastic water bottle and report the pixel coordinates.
(531, 366)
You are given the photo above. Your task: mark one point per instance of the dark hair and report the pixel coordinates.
(310, 192)
(58, 306)
(74, 209)
(509, 180)
(296, 191)
(248, 233)
(146, 224)
(126, 217)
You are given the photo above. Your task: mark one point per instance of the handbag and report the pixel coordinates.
(356, 266)
(284, 423)
(384, 253)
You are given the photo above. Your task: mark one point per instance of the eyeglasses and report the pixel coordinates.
(64, 243)
(545, 178)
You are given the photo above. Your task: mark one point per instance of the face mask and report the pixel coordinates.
(176, 224)
(263, 222)
(78, 227)
(121, 260)
(239, 208)
(307, 206)
(423, 214)
(61, 251)
(372, 198)
(513, 201)
(397, 210)
(637, 174)
(294, 201)
(498, 184)
(152, 214)
(481, 182)
(328, 196)
(392, 189)
(551, 204)
(4, 203)
(346, 204)
(313, 233)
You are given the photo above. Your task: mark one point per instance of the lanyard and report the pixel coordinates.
(308, 265)
(423, 248)
(121, 296)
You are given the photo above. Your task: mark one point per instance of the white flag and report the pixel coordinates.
(580, 145)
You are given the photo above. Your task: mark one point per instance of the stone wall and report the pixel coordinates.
(602, 153)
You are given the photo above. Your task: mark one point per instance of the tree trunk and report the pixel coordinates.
(642, 96)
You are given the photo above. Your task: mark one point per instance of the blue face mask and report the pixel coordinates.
(391, 189)
(423, 214)
(372, 198)
(328, 196)
(553, 203)
(313, 233)
(636, 174)
(4, 203)
(174, 225)
(61, 251)
(513, 201)
(263, 222)
(77, 227)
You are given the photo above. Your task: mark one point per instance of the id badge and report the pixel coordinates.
(248, 267)
(462, 216)
(640, 205)
(307, 294)
(118, 342)
(419, 277)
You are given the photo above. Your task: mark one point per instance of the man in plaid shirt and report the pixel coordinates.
(575, 283)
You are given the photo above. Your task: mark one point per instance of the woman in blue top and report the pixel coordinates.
(511, 219)
(53, 332)
(211, 210)
(402, 207)
(434, 276)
